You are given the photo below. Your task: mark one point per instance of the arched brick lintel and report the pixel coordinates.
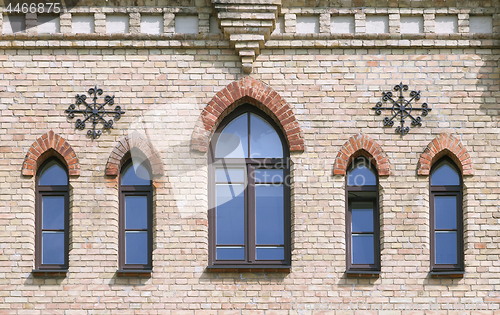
(50, 144)
(122, 152)
(246, 90)
(445, 144)
(357, 145)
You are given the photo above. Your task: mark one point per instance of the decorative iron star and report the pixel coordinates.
(402, 108)
(94, 112)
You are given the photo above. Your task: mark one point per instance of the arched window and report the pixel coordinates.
(446, 217)
(136, 217)
(249, 216)
(362, 217)
(52, 217)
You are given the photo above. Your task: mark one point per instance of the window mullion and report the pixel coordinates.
(250, 212)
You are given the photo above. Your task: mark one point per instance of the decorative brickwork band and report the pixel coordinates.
(445, 144)
(50, 144)
(121, 153)
(247, 90)
(357, 145)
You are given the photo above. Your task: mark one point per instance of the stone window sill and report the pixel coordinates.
(254, 269)
(447, 274)
(50, 273)
(362, 273)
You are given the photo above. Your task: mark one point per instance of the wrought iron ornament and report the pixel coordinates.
(94, 112)
(402, 108)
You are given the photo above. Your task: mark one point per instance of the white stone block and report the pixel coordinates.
(342, 24)
(82, 24)
(214, 25)
(376, 24)
(446, 24)
(412, 24)
(117, 24)
(152, 24)
(48, 24)
(280, 25)
(307, 24)
(186, 24)
(480, 24)
(13, 24)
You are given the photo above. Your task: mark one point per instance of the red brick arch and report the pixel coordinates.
(247, 90)
(445, 144)
(50, 144)
(121, 153)
(357, 145)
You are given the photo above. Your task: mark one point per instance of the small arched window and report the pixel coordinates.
(362, 217)
(249, 216)
(446, 217)
(52, 217)
(136, 217)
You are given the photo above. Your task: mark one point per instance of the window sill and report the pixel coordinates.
(133, 273)
(256, 269)
(50, 273)
(362, 274)
(447, 274)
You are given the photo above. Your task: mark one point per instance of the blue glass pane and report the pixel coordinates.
(230, 253)
(53, 174)
(269, 219)
(444, 174)
(362, 249)
(446, 247)
(445, 212)
(362, 217)
(53, 212)
(230, 214)
(136, 212)
(270, 253)
(136, 174)
(136, 248)
(361, 175)
(233, 140)
(268, 176)
(53, 248)
(233, 175)
(264, 140)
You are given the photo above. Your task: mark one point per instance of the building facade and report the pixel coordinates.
(419, 234)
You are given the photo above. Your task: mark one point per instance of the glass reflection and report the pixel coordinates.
(445, 175)
(269, 214)
(361, 175)
(136, 174)
(445, 212)
(270, 253)
(136, 247)
(264, 141)
(136, 212)
(53, 174)
(53, 248)
(446, 247)
(233, 140)
(362, 249)
(230, 214)
(53, 212)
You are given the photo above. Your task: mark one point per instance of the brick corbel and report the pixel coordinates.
(121, 153)
(449, 145)
(251, 91)
(50, 144)
(358, 145)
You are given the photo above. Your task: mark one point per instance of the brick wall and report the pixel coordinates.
(331, 91)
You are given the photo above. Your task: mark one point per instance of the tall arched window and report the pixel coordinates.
(52, 217)
(446, 217)
(249, 216)
(136, 217)
(362, 217)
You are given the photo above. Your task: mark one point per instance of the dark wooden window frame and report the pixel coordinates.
(134, 190)
(250, 164)
(362, 269)
(50, 190)
(450, 190)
